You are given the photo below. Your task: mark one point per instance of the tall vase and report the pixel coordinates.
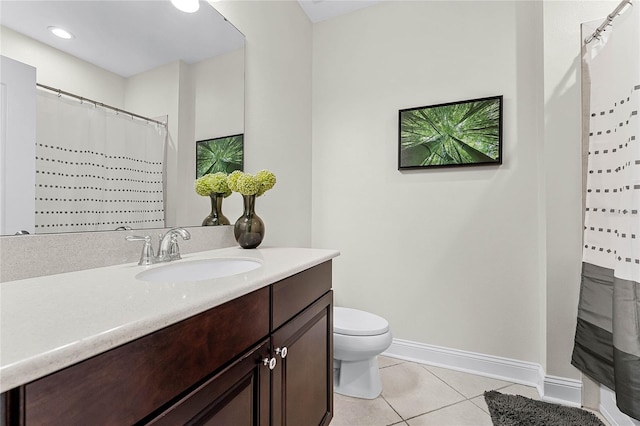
(216, 217)
(249, 228)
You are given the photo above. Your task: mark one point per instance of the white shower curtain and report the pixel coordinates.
(96, 169)
(607, 344)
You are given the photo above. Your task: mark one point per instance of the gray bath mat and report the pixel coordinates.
(516, 410)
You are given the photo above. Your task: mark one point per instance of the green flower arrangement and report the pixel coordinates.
(213, 183)
(232, 180)
(247, 184)
(267, 181)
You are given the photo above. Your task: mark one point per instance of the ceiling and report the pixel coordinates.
(321, 10)
(129, 37)
(125, 37)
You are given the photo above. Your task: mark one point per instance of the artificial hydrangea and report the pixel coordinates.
(232, 180)
(266, 179)
(212, 183)
(248, 184)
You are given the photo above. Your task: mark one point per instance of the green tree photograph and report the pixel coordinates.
(454, 134)
(219, 155)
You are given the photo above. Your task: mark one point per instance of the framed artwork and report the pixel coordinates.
(224, 154)
(465, 133)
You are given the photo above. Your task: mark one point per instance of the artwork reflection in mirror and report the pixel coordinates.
(93, 168)
(224, 154)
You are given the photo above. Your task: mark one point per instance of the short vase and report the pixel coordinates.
(249, 228)
(216, 217)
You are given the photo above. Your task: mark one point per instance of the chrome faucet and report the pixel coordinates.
(168, 249)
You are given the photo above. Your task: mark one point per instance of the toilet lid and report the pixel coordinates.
(353, 322)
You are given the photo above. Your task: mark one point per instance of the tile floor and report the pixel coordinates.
(416, 394)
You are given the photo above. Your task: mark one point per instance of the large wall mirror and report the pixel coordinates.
(144, 58)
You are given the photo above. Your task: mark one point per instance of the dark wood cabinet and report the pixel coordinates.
(302, 382)
(210, 369)
(238, 395)
(125, 384)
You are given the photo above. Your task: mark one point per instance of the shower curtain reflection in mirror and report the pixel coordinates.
(96, 169)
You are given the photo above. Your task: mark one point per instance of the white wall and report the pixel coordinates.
(219, 112)
(62, 71)
(278, 112)
(448, 256)
(153, 94)
(219, 108)
(486, 259)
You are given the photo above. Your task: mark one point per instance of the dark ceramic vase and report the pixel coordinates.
(216, 217)
(249, 228)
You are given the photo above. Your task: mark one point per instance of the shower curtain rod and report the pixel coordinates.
(608, 20)
(96, 103)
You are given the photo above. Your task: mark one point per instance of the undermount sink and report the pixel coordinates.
(198, 270)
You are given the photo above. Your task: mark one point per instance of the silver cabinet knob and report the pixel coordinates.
(271, 362)
(282, 352)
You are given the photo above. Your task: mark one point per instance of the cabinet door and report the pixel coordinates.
(302, 382)
(238, 396)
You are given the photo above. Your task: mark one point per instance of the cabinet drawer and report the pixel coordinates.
(236, 396)
(125, 384)
(292, 295)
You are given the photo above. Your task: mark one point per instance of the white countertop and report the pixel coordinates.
(51, 322)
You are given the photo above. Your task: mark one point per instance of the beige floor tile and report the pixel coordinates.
(349, 411)
(470, 385)
(427, 396)
(480, 403)
(515, 389)
(461, 414)
(385, 361)
(412, 390)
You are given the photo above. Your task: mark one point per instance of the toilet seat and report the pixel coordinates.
(353, 322)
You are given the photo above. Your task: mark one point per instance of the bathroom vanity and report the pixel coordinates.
(255, 350)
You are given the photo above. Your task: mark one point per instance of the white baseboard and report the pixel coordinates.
(553, 389)
(610, 410)
(562, 390)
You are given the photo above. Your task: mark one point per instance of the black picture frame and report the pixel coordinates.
(224, 154)
(453, 134)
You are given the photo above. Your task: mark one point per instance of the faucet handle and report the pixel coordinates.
(174, 249)
(146, 257)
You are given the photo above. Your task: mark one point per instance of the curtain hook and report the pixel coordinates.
(59, 93)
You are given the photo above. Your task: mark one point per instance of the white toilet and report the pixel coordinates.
(358, 338)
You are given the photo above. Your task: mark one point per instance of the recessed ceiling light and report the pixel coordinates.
(60, 32)
(188, 6)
